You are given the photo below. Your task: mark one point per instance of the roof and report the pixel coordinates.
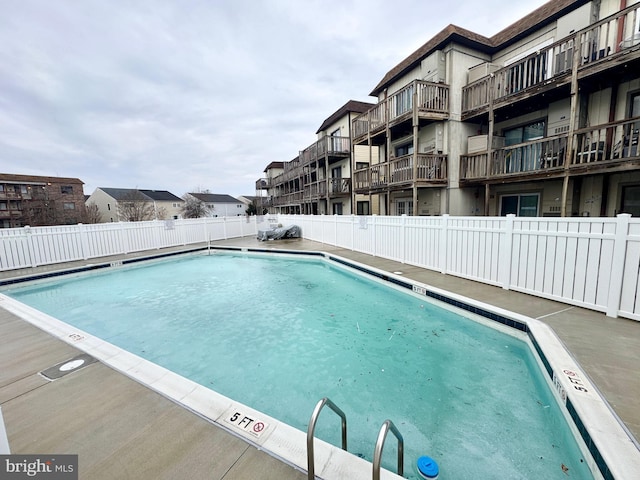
(215, 198)
(14, 178)
(150, 195)
(350, 106)
(540, 17)
(274, 165)
(161, 196)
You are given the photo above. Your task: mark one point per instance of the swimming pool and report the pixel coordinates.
(470, 417)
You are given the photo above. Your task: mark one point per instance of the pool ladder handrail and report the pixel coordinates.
(311, 430)
(377, 453)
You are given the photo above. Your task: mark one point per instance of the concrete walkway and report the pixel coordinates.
(121, 429)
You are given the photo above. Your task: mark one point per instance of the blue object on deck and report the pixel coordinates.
(428, 468)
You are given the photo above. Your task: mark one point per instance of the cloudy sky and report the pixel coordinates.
(187, 95)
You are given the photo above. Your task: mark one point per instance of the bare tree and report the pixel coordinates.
(136, 207)
(194, 207)
(92, 214)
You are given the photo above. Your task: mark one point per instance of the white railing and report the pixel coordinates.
(32, 246)
(588, 262)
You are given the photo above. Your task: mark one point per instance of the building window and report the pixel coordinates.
(404, 207)
(3, 205)
(109, 207)
(67, 189)
(23, 189)
(631, 200)
(406, 149)
(362, 165)
(525, 205)
(362, 208)
(1, 188)
(69, 206)
(337, 208)
(525, 158)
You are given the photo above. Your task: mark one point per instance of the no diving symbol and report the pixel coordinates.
(258, 427)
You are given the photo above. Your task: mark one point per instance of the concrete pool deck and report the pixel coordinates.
(121, 429)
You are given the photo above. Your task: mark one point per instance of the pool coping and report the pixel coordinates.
(614, 453)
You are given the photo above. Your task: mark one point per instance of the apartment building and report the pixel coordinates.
(40, 201)
(319, 180)
(541, 119)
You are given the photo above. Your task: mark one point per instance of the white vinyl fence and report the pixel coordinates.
(588, 262)
(33, 246)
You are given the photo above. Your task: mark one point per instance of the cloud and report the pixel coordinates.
(172, 95)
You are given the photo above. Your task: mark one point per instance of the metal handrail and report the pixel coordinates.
(377, 454)
(312, 427)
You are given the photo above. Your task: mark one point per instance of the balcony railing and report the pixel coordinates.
(613, 142)
(315, 191)
(400, 171)
(426, 97)
(329, 145)
(597, 42)
(339, 186)
(529, 157)
(263, 184)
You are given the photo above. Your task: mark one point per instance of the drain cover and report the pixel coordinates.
(68, 366)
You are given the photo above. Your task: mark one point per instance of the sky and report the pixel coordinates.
(196, 95)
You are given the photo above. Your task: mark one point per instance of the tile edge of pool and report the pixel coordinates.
(613, 453)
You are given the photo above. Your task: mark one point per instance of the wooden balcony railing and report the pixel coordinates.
(339, 186)
(262, 184)
(529, 157)
(426, 97)
(329, 145)
(596, 43)
(430, 168)
(315, 191)
(612, 142)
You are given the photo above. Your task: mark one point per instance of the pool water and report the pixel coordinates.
(278, 334)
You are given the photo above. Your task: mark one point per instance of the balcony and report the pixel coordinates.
(315, 190)
(10, 213)
(426, 100)
(538, 156)
(263, 184)
(431, 169)
(610, 146)
(326, 147)
(598, 47)
(339, 187)
(606, 146)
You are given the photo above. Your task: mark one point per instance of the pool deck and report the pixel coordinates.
(122, 429)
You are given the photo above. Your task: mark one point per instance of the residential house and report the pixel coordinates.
(221, 205)
(540, 119)
(37, 200)
(319, 179)
(162, 205)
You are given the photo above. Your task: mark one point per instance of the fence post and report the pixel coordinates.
(444, 243)
(353, 234)
(335, 229)
(373, 235)
(30, 246)
(617, 264)
(403, 238)
(84, 243)
(224, 227)
(506, 253)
